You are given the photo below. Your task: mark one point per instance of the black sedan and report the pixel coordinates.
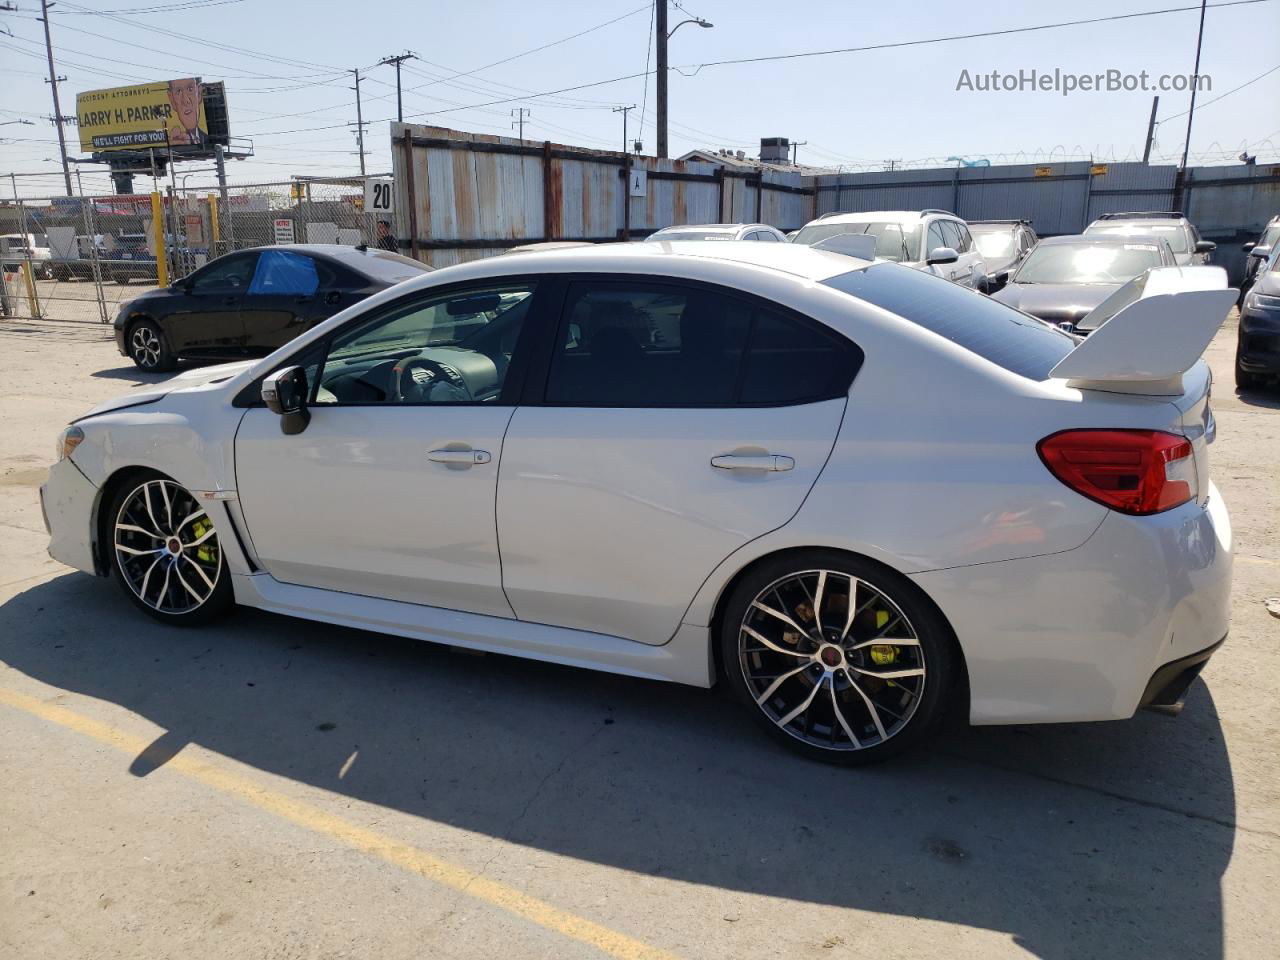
(1063, 278)
(250, 302)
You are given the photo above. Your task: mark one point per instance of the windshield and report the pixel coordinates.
(1087, 263)
(1019, 343)
(692, 235)
(892, 242)
(995, 243)
(1173, 232)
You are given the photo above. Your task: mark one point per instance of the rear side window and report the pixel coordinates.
(1020, 344)
(286, 273)
(643, 344)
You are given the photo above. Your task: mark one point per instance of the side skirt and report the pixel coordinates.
(686, 658)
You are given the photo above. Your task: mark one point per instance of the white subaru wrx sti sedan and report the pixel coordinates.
(857, 493)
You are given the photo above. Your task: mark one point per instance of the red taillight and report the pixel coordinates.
(1133, 471)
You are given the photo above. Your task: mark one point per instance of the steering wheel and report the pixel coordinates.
(414, 377)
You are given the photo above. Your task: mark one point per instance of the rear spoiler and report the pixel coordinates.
(1150, 332)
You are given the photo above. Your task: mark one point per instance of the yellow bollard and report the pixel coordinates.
(157, 229)
(32, 300)
(213, 225)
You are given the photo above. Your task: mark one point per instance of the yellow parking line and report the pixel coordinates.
(368, 841)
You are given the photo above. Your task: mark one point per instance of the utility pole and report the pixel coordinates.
(53, 82)
(794, 144)
(1151, 130)
(624, 111)
(397, 60)
(359, 121)
(220, 163)
(660, 36)
(1195, 84)
(520, 113)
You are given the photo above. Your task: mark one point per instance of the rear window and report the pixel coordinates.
(1006, 337)
(384, 265)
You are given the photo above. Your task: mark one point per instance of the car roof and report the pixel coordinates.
(801, 261)
(1141, 240)
(354, 257)
(878, 216)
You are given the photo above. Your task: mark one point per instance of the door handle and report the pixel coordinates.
(463, 458)
(771, 462)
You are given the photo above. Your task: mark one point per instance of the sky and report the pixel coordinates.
(285, 66)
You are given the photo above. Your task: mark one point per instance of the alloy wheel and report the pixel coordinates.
(166, 548)
(831, 660)
(145, 346)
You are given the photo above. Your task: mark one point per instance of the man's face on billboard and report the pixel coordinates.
(184, 97)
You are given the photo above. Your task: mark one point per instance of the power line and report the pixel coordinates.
(963, 36)
(1265, 73)
(161, 8)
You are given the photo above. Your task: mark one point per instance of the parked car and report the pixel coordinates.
(720, 231)
(861, 494)
(1184, 239)
(1258, 336)
(251, 302)
(1064, 278)
(17, 247)
(1004, 244)
(1257, 252)
(934, 241)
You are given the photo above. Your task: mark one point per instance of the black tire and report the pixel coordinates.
(858, 738)
(1244, 379)
(148, 348)
(165, 599)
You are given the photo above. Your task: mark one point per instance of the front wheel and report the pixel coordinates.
(838, 658)
(165, 552)
(148, 350)
(1244, 379)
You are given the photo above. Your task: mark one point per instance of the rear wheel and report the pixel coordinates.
(147, 348)
(165, 552)
(839, 658)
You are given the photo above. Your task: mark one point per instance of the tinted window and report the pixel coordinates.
(654, 345)
(768, 236)
(283, 272)
(385, 266)
(790, 362)
(625, 344)
(229, 273)
(1004, 336)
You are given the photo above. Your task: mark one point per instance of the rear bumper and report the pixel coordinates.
(67, 500)
(1080, 635)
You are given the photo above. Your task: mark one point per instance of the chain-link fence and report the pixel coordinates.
(80, 258)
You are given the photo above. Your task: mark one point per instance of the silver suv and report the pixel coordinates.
(935, 241)
(1184, 239)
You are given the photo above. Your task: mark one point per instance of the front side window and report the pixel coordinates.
(230, 273)
(285, 273)
(650, 344)
(454, 347)
(936, 238)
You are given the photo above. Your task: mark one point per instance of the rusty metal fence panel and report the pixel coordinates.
(462, 196)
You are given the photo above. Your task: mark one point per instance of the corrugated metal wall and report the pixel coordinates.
(475, 195)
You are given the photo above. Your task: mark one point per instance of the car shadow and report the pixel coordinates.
(1083, 840)
(1260, 396)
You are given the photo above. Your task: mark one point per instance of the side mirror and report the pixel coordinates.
(942, 255)
(1205, 246)
(1249, 246)
(285, 394)
(1261, 252)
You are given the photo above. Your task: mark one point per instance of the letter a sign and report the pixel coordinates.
(639, 186)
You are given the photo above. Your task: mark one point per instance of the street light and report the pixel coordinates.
(662, 36)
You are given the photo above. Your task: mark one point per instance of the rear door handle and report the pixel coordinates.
(465, 458)
(771, 462)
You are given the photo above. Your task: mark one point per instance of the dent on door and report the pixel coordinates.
(610, 520)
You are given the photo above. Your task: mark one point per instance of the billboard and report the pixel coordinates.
(146, 115)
